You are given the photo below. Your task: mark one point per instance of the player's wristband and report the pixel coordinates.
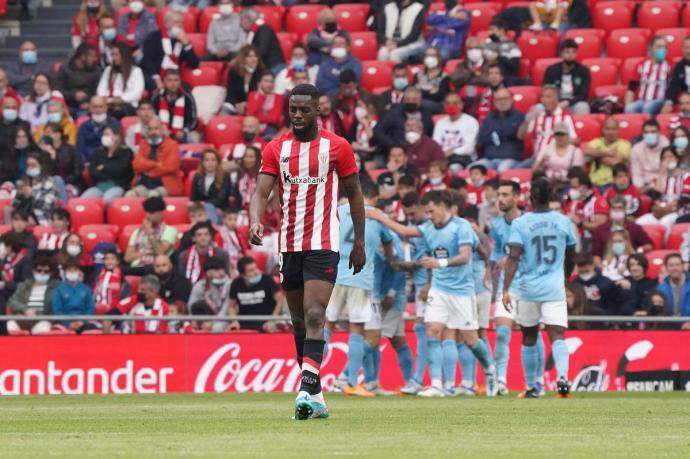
(392, 293)
(443, 263)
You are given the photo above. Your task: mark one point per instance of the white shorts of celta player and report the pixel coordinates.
(356, 301)
(483, 309)
(454, 311)
(500, 310)
(391, 321)
(531, 313)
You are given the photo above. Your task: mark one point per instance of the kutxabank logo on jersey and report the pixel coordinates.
(302, 180)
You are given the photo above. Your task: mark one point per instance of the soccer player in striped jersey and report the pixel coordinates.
(308, 164)
(542, 245)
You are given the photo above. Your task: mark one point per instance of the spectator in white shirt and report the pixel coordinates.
(456, 133)
(225, 36)
(122, 82)
(284, 81)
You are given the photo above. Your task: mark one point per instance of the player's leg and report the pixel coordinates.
(359, 307)
(468, 365)
(333, 313)
(393, 328)
(450, 361)
(528, 315)
(436, 316)
(420, 352)
(505, 321)
(483, 312)
(555, 317)
(295, 300)
(541, 363)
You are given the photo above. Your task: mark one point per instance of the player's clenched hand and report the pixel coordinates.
(357, 258)
(429, 262)
(256, 234)
(507, 301)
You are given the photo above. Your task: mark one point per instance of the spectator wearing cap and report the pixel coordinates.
(256, 294)
(571, 78)
(676, 288)
(146, 302)
(647, 88)
(78, 77)
(225, 36)
(320, 40)
(390, 130)
(285, 81)
(34, 297)
(503, 50)
(558, 156)
(157, 164)
(646, 154)
(58, 114)
(603, 153)
(399, 30)
(91, 131)
(153, 237)
(136, 25)
(421, 149)
(122, 82)
(73, 297)
(328, 76)
(618, 221)
(448, 29)
(498, 135)
(111, 167)
(622, 186)
(191, 261)
(24, 70)
(456, 133)
(263, 39)
(176, 108)
(211, 293)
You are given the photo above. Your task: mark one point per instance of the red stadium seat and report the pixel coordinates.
(194, 150)
(224, 129)
(85, 211)
(658, 15)
(540, 67)
(125, 235)
(202, 76)
(674, 37)
(664, 120)
(198, 43)
(301, 19)
(287, 41)
(685, 17)
(133, 282)
(613, 90)
(589, 42)
(242, 234)
(188, 183)
(189, 165)
(191, 16)
(602, 74)
(176, 211)
(56, 332)
(525, 67)
(374, 173)
(363, 46)
(656, 233)
(625, 43)
(612, 15)
(91, 235)
(628, 70)
(376, 73)
(272, 15)
(538, 45)
(19, 332)
(482, 14)
(588, 127)
(630, 124)
(352, 16)
(677, 235)
(206, 17)
(524, 97)
(517, 175)
(614, 61)
(127, 122)
(126, 211)
(260, 257)
(450, 66)
(656, 262)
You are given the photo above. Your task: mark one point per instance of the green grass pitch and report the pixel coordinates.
(601, 425)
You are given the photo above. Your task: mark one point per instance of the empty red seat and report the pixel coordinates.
(588, 127)
(272, 15)
(601, 74)
(656, 262)
(656, 233)
(612, 15)
(524, 97)
(176, 211)
(287, 41)
(224, 129)
(628, 70)
(126, 211)
(664, 120)
(630, 124)
(517, 175)
(206, 17)
(676, 237)
(482, 14)
(589, 42)
(84, 211)
(625, 43)
(540, 67)
(91, 235)
(133, 282)
(674, 38)
(198, 41)
(352, 16)
(202, 76)
(613, 90)
(376, 74)
(125, 234)
(538, 45)
(658, 15)
(260, 257)
(363, 46)
(301, 19)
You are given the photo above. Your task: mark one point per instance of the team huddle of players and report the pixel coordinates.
(455, 274)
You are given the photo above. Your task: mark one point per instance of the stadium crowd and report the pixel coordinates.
(126, 170)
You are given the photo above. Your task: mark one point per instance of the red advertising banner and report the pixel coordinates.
(599, 360)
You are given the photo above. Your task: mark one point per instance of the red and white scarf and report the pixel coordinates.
(252, 30)
(230, 243)
(52, 241)
(194, 262)
(8, 267)
(106, 290)
(137, 134)
(171, 59)
(174, 123)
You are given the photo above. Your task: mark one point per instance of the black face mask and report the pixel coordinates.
(93, 10)
(330, 27)
(410, 107)
(141, 297)
(248, 136)
(493, 37)
(570, 64)
(164, 276)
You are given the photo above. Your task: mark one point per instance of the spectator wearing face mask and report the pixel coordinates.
(10, 121)
(111, 167)
(174, 289)
(23, 71)
(34, 108)
(646, 90)
(328, 77)
(431, 80)
(623, 187)
(212, 292)
(58, 115)
(139, 130)
(106, 39)
(34, 297)
(225, 36)
(254, 293)
(285, 81)
(85, 23)
(474, 69)
(391, 130)
(146, 302)
(365, 119)
(421, 149)
(91, 132)
(456, 133)
(682, 118)
(646, 154)
(320, 40)
(400, 82)
(585, 206)
(613, 262)
(571, 78)
(137, 24)
(448, 29)
(681, 146)
(73, 297)
(36, 191)
(603, 295)
(503, 50)
(250, 138)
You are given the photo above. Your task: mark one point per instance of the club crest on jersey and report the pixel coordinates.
(323, 158)
(298, 180)
(441, 252)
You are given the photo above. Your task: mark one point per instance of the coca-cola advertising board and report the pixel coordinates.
(599, 360)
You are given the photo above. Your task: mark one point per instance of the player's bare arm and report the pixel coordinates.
(257, 207)
(354, 196)
(401, 230)
(511, 269)
(462, 258)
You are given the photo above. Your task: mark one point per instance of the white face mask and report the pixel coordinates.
(360, 112)
(435, 180)
(338, 53)
(672, 165)
(107, 141)
(586, 277)
(575, 194)
(99, 118)
(431, 62)
(474, 54)
(412, 136)
(136, 7)
(175, 32)
(225, 9)
(73, 250)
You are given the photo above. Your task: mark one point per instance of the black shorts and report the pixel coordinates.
(298, 267)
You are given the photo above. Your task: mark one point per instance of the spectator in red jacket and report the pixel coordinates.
(421, 149)
(622, 186)
(618, 221)
(85, 23)
(266, 105)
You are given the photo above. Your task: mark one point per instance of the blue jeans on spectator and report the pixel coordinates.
(499, 165)
(108, 195)
(650, 107)
(525, 164)
(60, 188)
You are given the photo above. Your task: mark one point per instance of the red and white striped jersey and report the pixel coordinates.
(674, 187)
(652, 76)
(131, 306)
(541, 127)
(308, 176)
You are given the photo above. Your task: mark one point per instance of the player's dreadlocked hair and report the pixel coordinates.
(540, 192)
(306, 90)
